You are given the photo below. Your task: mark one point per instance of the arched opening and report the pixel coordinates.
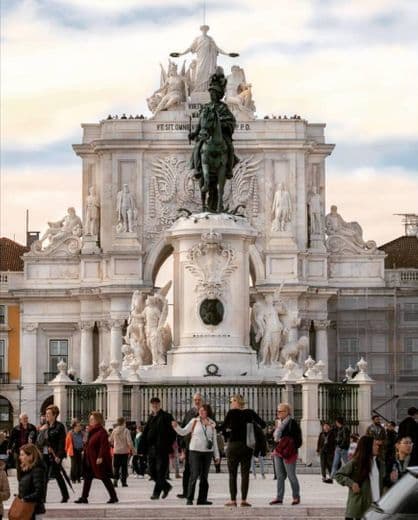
(6, 414)
(48, 401)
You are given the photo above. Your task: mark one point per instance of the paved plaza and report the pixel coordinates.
(318, 500)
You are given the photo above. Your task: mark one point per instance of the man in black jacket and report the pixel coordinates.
(52, 436)
(409, 428)
(157, 442)
(23, 433)
(342, 443)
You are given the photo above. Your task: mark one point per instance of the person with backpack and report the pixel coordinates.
(288, 438)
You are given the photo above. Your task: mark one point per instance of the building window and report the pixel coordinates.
(349, 352)
(378, 365)
(58, 349)
(410, 312)
(410, 358)
(3, 355)
(3, 319)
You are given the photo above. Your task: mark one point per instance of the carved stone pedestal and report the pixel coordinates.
(90, 245)
(211, 295)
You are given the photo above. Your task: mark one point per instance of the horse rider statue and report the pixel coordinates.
(213, 157)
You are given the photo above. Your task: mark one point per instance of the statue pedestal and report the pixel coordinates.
(126, 241)
(90, 245)
(211, 296)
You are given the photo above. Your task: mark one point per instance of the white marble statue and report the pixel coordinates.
(294, 350)
(281, 211)
(172, 89)
(315, 212)
(206, 51)
(126, 211)
(148, 334)
(92, 212)
(238, 94)
(267, 327)
(68, 226)
(345, 235)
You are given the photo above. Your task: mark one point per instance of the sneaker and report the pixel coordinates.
(275, 502)
(81, 500)
(329, 481)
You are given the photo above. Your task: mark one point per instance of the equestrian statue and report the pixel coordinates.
(213, 157)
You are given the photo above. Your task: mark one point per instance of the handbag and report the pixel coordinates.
(250, 441)
(20, 510)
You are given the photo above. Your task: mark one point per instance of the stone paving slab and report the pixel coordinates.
(318, 501)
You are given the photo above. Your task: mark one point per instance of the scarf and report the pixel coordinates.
(278, 432)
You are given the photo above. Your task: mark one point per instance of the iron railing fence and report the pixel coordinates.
(83, 399)
(177, 399)
(338, 400)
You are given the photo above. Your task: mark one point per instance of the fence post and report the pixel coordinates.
(310, 423)
(114, 383)
(364, 396)
(59, 385)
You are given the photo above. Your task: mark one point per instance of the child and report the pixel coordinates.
(353, 445)
(4, 486)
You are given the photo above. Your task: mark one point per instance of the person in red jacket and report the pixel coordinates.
(97, 461)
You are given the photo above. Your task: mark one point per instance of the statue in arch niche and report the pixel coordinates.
(126, 211)
(148, 335)
(281, 211)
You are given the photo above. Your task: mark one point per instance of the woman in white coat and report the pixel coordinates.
(203, 447)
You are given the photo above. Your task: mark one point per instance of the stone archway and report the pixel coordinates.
(155, 259)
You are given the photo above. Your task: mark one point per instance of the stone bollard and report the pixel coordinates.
(114, 383)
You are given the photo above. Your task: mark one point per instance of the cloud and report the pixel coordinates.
(372, 196)
(46, 192)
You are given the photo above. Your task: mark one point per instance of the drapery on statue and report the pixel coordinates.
(148, 334)
(350, 232)
(267, 327)
(213, 155)
(172, 89)
(92, 213)
(238, 95)
(206, 51)
(68, 226)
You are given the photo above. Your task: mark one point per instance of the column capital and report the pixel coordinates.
(322, 324)
(104, 324)
(30, 327)
(86, 325)
(117, 323)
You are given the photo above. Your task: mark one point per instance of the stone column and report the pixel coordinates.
(86, 351)
(29, 366)
(116, 340)
(322, 343)
(104, 341)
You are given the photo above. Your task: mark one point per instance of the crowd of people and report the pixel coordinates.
(368, 465)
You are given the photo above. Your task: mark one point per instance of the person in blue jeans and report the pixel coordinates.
(342, 443)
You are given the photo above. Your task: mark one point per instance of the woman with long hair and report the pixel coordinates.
(364, 477)
(203, 447)
(234, 429)
(32, 483)
(97, 462)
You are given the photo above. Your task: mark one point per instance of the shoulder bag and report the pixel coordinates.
(20, 510)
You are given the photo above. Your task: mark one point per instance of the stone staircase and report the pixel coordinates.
(142, 512)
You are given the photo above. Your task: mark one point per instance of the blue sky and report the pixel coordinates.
(350, 64)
